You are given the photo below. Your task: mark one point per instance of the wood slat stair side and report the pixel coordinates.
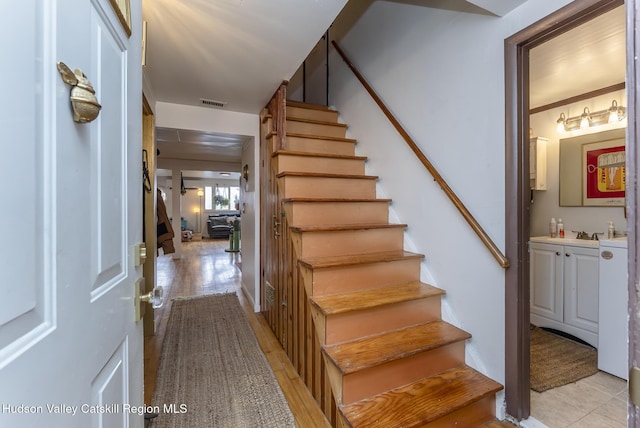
(357, 259)
(317, 155)
(423, 402)
(360, 300)
(368, 352)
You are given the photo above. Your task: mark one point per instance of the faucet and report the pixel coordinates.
(582, 235)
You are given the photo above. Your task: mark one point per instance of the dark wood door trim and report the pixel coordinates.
(517, 198)
(633, 219)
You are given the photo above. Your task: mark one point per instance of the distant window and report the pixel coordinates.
(208, 192)
(221, 198)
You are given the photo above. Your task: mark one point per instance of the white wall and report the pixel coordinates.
(442, 74)
(206, 119)
(546, 202)
(250, 224)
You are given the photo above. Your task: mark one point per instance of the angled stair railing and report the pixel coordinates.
(473, 223)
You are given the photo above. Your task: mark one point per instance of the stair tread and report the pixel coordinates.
(422, 402)
(325, 175)
(372, 351)
(336, 261)
(316, 155)
(301, 104)
(293, 200)
(495, 423)
(315, 121)
(344, 227)
(322, 137)
(364, 299)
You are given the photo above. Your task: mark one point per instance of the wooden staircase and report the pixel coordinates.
(390, 359)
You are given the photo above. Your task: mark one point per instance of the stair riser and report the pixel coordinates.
(324, 213)
(320, 187)
(473, 415)
(345, 242)
(318, 165)
(307, 128)
(346, 279)
(315, 145)
(306, 113)
(365, 383)
(338, 328)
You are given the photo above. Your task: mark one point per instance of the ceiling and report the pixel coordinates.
(232, 53)
(589, 57)
(237, 52)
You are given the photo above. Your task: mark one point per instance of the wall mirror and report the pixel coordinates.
(592, 169)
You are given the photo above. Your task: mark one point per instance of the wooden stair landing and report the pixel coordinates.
(443, 400)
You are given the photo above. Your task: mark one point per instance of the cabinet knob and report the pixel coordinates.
(557, 253)
(568, 255)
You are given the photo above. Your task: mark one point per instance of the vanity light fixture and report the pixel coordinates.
(587, 119)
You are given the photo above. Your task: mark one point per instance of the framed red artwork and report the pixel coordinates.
(603, 173)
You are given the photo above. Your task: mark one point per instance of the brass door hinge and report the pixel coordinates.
(634, 385)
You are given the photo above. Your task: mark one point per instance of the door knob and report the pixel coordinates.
(155, 297)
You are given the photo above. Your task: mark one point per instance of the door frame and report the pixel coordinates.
(517, 193)
(633, 199)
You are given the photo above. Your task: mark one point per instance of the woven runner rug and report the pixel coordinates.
(212, 372)
(556, 361)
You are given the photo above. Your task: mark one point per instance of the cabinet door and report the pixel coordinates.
(546, 275)
(581, 287)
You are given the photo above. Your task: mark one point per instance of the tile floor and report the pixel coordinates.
(599, 401)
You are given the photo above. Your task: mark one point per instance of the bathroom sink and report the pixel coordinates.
(566, 241)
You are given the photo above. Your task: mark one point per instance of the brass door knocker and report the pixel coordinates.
(83, 99)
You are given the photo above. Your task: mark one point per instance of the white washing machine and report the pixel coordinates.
(612, 308)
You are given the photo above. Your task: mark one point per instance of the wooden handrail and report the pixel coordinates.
(491, 246)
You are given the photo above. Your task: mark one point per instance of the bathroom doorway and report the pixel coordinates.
(518, 193)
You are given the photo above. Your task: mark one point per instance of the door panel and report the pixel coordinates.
(67, 329)
(27, 305)
(108, 160)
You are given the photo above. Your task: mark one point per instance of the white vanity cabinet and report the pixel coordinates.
(564, 286)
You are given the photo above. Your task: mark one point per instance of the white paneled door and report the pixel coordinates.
(70, 215)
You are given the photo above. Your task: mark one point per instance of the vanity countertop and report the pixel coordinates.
(566, 241)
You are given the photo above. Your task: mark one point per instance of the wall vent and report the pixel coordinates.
(269, 293)
(212, 103)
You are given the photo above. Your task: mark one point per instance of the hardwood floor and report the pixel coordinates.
(205, 268)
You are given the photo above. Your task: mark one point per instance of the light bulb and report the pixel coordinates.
(585, 119)
(560, 123)
(613, 112)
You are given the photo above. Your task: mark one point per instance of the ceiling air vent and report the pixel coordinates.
(212, 103)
